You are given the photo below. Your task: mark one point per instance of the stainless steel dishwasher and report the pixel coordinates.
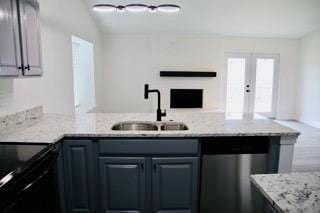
(227, 164)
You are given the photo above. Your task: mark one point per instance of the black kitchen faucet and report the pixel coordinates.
(146, 96)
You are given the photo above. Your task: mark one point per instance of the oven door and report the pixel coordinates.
(35, 191)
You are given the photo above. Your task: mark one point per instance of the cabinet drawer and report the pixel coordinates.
(148, 146)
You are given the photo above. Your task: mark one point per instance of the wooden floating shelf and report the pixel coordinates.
(187, 74)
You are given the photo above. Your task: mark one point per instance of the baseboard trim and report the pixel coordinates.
(311, 123)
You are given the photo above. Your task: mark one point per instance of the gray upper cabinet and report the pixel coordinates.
(20, 43)
(78, 176)
(175, 185)
(10, 54)
(122, 184)
(30, 37)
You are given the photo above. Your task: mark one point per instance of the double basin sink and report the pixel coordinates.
(149, 126)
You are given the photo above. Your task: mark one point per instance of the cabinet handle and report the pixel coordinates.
(27, 67)
(142, 166)
(20, 68)
(155, 167)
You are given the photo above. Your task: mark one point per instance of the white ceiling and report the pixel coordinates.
(259, 18)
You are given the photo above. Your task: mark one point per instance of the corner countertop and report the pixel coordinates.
(50, 128)
(291, 193)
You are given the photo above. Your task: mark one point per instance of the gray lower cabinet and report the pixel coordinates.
(78, 176)
(175, 185)
(122, 183)
(103, 178)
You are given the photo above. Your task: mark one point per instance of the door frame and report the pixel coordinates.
(250, 79)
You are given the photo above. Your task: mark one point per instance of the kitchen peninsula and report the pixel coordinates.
(100, 158)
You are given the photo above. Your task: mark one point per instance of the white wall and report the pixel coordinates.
(308, 101)
(54, 90)
(132, 60)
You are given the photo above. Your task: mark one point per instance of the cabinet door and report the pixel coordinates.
(79, 178)
(30, 37)
(175, 185)
(10, 57)
(122, 184)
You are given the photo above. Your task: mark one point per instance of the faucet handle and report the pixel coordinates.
(146, 91)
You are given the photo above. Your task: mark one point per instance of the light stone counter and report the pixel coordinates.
(51, 127)
(291, 193)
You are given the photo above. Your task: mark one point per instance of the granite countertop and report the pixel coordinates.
(291, 193)
(50, 128)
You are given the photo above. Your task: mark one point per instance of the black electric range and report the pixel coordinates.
(27, 178)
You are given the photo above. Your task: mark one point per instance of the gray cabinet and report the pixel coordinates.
(122, 184)
(10, 54)
(20, 43)
(175, 185)
(30, 37)
(116, 176)
(79, 176)
(131, 184)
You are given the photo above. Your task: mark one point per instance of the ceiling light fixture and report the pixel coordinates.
(168, 8)
(136, 8)
(104, 8)
(165, 8)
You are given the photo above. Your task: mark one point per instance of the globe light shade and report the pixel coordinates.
(104, 8)
(168, 8)
(136, 8)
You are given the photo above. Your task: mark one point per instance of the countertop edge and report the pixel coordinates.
(265, 194)
(155, 135)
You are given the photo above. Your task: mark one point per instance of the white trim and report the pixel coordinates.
(310, 123)
(286, 153)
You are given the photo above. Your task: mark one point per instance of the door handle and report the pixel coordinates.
(27, 67)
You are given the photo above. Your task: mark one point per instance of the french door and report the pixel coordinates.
(251, 83)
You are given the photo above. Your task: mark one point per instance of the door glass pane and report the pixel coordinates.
(264, 85)
(235, 84)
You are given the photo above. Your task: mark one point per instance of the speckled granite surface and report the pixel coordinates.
(291, 193)
(52, 127)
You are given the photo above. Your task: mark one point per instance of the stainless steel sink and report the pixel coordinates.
(173, 126)
(135, 126)
(149, 126)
